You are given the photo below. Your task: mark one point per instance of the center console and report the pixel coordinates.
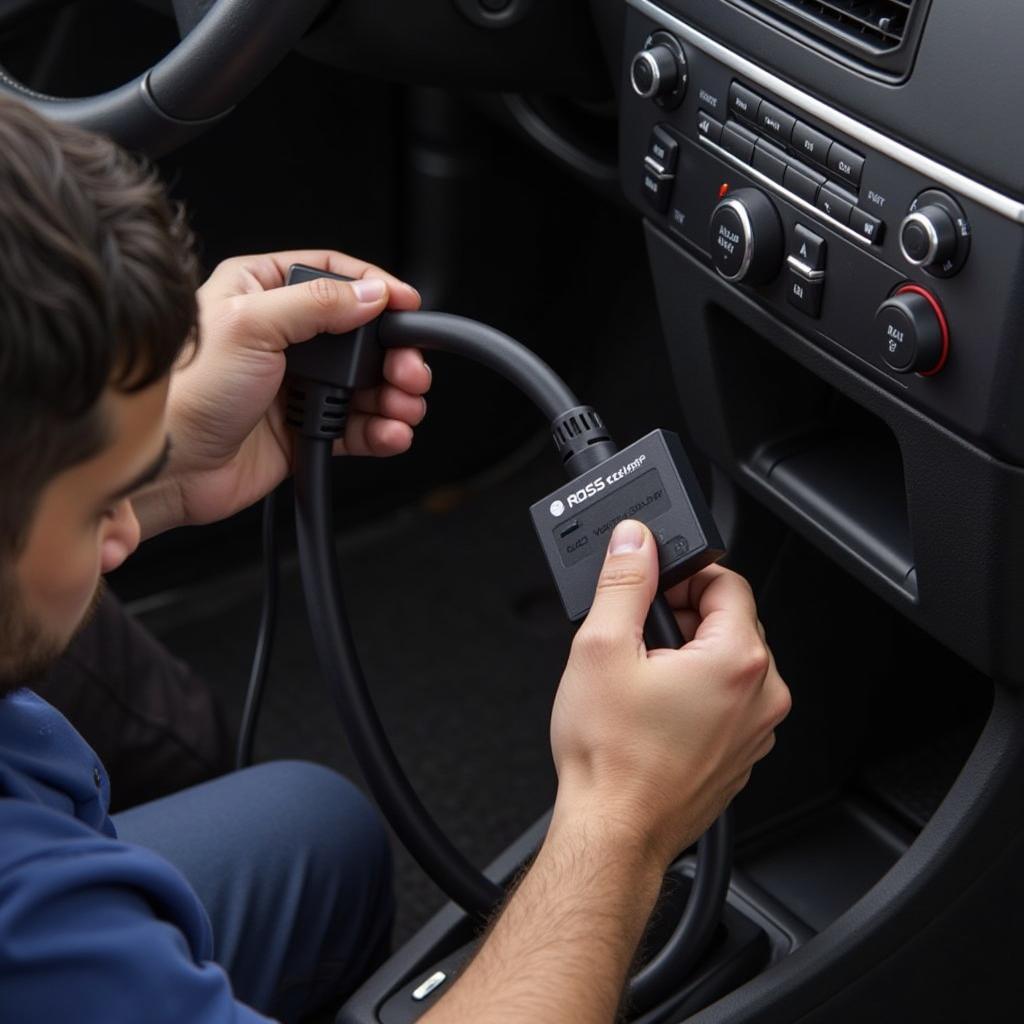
(843, 303)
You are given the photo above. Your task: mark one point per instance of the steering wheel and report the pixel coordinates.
(227, 48)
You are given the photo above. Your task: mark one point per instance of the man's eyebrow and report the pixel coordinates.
(150, 473)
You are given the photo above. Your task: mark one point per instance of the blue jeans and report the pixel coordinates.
(293, 866)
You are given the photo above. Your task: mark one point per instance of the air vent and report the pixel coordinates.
(881, 33)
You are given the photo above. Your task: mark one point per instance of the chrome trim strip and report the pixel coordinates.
(792, 197)
(803, 270)
(954, 180)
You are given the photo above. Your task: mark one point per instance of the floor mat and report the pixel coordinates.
(463, 640)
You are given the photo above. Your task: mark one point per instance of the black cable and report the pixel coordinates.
(660, 976)
(315, 409)
(339, 661)
(264, 638)
(444, 332)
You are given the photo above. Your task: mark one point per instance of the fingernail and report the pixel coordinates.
(369, 289)
(627, 536)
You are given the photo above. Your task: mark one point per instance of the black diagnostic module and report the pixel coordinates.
(652, 481)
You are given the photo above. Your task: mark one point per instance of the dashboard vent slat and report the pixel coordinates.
(882, 33)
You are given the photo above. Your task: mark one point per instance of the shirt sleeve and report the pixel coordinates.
(93, 930)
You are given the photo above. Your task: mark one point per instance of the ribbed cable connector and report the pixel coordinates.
(581, 439)
(316, 409)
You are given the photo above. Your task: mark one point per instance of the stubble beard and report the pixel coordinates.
(27, 650)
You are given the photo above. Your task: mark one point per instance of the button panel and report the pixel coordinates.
(794, 155)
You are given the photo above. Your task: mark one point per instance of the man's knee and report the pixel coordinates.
(325, 821)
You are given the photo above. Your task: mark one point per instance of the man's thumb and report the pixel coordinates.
(627, 584)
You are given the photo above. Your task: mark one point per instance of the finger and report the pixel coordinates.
(681, 595)
(727, 630)
(271, 271)
(301, 311)
(373, 435)
(625, 590)
(723, 592)
(391, 403)
(406, 369)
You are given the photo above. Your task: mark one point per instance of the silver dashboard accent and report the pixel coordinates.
(648, 58)
(953, 180)
(792, 197)
(929, 229)
(803, 270)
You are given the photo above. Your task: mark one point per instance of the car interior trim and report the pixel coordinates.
(941, 174)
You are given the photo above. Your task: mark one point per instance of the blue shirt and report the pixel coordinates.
(91, 929)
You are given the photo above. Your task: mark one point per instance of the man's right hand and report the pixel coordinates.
(658, 742)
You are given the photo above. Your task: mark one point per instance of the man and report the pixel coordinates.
(128, 407)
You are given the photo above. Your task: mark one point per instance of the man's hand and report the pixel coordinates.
(225, 411)
(650, 747)
(663, 740)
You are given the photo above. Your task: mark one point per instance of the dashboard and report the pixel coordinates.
(843, 303)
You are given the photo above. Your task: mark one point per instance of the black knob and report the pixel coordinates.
(746, 237)
(912, 332)
(928, 237)
(655, 72)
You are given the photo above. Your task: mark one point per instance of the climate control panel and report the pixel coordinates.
(890, 260)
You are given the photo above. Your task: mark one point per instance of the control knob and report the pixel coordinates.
(935, 234)
(927, 236)
(746, 237)
(659, 71)
(913, 331)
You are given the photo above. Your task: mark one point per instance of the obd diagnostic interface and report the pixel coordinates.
(652, 481)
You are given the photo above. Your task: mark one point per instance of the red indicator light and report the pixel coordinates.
(723, 189)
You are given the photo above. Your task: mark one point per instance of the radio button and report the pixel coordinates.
(810, 144)
(739, 141)
(867, 226)
(808, 248)
(663, 150)
(657, 188)
(846, 164)
(835, 203)
(743, 103)
(775, 122)
(804, 293)
(770, 160)
(709, 127)
(803, 182)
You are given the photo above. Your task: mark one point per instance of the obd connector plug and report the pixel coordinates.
(652, 481)
(324, 371)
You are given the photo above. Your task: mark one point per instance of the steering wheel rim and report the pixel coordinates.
(235, 45)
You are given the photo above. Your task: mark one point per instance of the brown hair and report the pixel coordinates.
(97, 289)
